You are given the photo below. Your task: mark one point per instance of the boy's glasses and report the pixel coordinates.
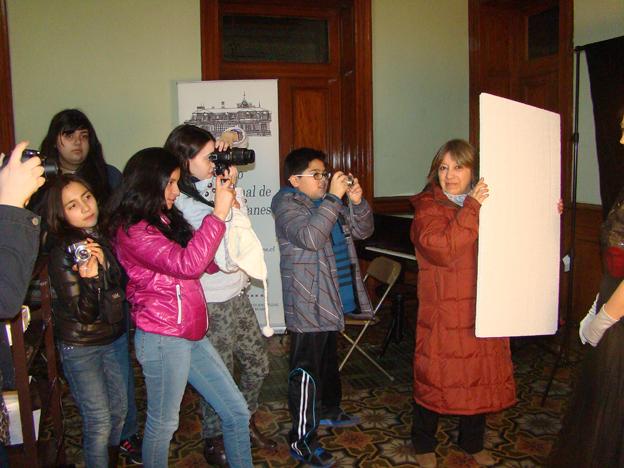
(317, 175)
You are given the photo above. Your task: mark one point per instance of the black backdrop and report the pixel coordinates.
(605, 62)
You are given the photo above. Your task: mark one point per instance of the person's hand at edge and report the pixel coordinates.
(480, 191)
(19, 180)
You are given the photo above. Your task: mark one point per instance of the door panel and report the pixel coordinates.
(500, 40)
(541, 90)
(310, 116)
(318, 103)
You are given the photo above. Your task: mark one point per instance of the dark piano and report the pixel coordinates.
(392, 238)
(392, 234)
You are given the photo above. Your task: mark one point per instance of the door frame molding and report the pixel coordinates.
(7, 128)
(565, 73)
(360, 153)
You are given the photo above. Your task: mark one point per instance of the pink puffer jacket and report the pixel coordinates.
(163, 285)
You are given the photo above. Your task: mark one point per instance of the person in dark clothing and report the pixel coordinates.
(72, 142)
(321, 282)
(19, 229)
(91, 338)
(592, 431)
(19, 244)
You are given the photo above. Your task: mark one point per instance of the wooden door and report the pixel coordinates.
(318, 103)
(522, 50)
(6, 99)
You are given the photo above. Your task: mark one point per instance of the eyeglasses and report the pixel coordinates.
(316, 175)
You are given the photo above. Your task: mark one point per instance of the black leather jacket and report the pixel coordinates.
(77, 318)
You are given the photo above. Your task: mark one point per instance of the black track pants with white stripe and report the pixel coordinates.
(313, 385)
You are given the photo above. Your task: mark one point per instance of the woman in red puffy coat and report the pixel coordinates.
(454, 372)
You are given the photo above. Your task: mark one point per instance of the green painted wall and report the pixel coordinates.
(594, 21)
(420, 87)
(117, 60)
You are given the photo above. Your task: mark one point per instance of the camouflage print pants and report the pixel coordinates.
(235, 334)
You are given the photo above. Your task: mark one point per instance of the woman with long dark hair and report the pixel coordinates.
(91, 337)
(234, 329)
(72, 142)
(164, 259)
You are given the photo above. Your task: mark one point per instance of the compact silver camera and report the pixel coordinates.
(350, 181)
(79, 251)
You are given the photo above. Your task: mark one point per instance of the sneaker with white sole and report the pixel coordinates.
(341, 419)
(131, 449)
(320, 458)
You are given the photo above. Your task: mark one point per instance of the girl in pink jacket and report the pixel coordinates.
(164, 260)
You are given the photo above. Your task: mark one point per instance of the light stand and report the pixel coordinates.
(565, 341)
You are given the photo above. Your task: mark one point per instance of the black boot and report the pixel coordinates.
(258, 439)
(113, 455)
(214, 451)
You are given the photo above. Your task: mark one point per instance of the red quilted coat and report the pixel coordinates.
(454, 372)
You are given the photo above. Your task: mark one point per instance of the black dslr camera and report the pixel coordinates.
(232, 157)
(50, 168)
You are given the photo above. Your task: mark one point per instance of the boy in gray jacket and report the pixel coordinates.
(321, 282)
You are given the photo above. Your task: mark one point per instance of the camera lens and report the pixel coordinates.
(50, 167)
(82, 254)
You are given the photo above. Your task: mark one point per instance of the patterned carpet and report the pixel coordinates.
(519, 437)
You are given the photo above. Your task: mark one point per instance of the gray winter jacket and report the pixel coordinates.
(307, 262)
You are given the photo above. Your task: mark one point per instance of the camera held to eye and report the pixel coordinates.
(50, 168)
(79, 251)
(232, 157)
(350, 180)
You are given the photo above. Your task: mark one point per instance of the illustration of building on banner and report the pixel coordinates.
(253, 120)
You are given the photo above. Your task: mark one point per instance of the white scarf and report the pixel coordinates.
(457, 199)
(245, 250)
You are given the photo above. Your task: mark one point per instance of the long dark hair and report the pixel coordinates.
(184, 142)
(93, 169)
(141, 196)
(58, 226)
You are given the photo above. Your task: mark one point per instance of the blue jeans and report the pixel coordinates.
(97, 377)
(168, 362)
(4, 457)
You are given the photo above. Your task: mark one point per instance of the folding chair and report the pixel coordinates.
(385, 271)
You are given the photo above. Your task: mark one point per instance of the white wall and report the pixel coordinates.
(420, 87)
(117, 60)
(594, 20)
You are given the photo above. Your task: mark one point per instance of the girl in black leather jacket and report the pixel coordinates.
(88, 317)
